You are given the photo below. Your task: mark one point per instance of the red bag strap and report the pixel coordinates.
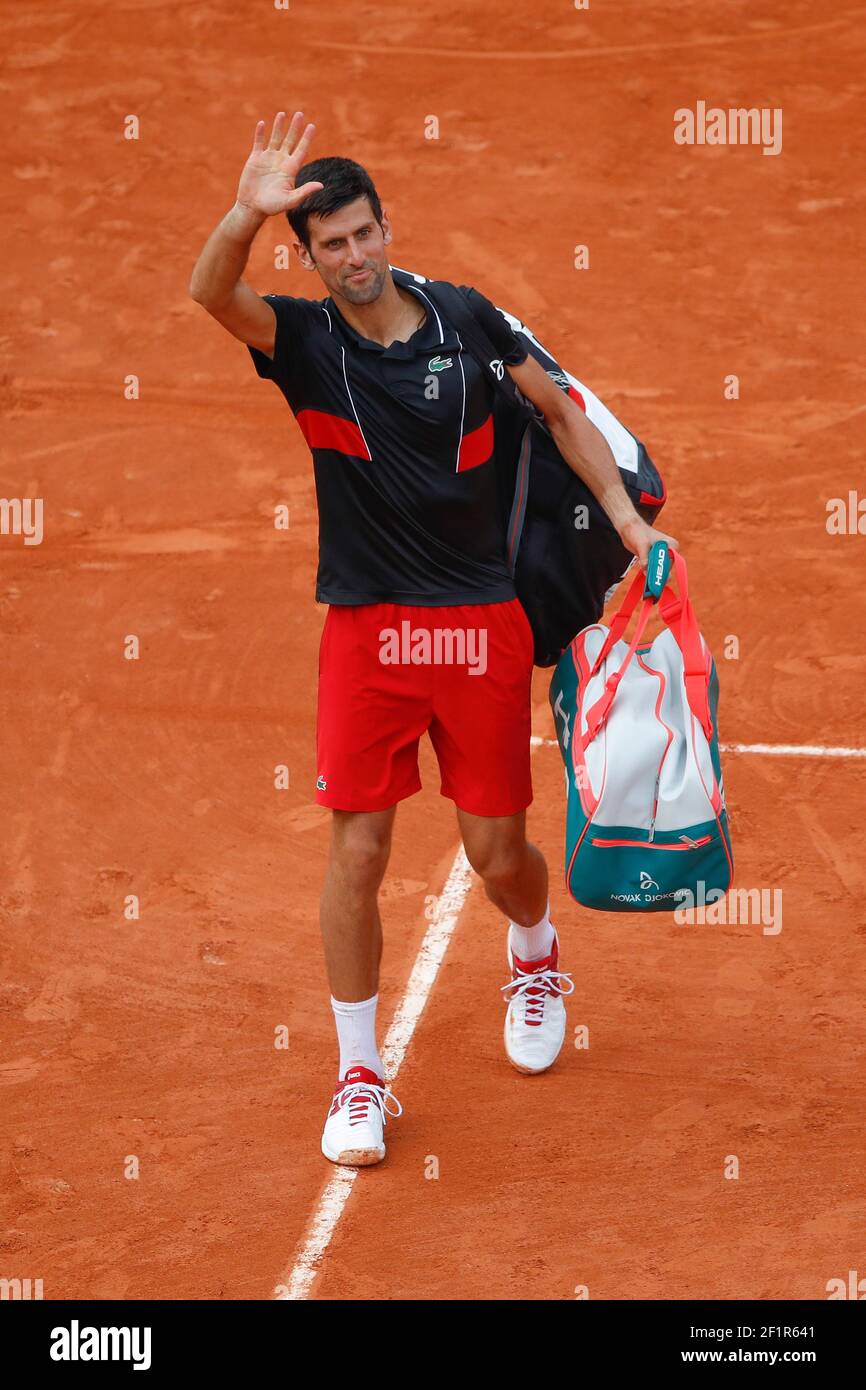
(620, 621)
(679, 617)
(597, 715)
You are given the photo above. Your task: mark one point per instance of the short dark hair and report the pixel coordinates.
(343, 181)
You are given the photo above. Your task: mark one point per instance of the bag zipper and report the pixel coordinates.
(652, 825)
(651, 671)
(649, 844)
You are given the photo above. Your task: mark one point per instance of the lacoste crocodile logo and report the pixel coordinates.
(440, 364)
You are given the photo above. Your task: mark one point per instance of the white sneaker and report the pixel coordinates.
(535, 1021)
(354, 1129)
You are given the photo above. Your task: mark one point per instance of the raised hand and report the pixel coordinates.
(267, 183)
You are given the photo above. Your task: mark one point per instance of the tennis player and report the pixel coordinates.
(424, 633)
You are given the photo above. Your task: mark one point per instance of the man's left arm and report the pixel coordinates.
(587, 452)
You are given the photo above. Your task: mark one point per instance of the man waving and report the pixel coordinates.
(424, 632)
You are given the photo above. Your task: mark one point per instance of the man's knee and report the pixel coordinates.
(496, 858)
(361, 848)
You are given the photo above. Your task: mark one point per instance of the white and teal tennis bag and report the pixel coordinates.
(636, 726)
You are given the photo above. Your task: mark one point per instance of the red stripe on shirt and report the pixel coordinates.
(323, 431)
(476, 447)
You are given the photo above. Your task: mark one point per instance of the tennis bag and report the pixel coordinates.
(564, 553)
(636, 725)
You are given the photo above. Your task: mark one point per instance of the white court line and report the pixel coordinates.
(793, 750)
(297, 1281)
(773, 750)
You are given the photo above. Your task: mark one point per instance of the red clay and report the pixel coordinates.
(155, 777)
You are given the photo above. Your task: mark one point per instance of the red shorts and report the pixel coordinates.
(389, 672)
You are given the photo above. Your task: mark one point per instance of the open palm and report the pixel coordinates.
(268, 180)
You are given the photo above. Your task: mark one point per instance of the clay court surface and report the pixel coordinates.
(155, 777)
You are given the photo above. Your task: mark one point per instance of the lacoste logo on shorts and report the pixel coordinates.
(439, 364)
(321, 784)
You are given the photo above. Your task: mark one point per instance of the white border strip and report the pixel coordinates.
(772, 750)
(769, 749)
(793, 750)
(296, 1283)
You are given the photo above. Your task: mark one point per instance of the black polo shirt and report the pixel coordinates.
(403, 451)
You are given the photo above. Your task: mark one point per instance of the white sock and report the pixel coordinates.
(532, 943)
(356, 1033)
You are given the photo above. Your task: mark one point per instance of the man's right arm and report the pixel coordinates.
(216, 281)
(267, 187)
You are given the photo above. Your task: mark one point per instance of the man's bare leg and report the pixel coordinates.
(352, 935)
(350, 921)
(514, 873)
(513, 870)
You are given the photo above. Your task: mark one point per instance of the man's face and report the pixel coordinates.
(348, 250)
